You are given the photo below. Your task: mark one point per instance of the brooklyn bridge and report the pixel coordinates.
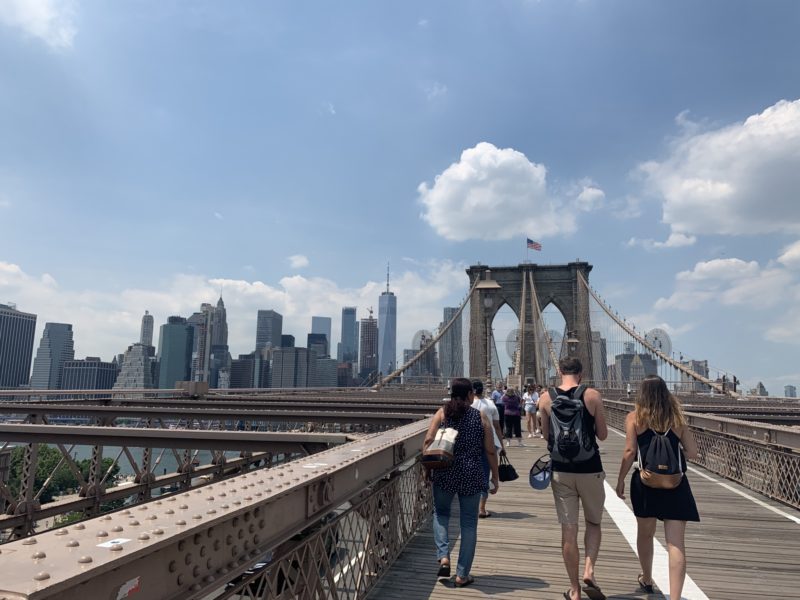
(319, 493)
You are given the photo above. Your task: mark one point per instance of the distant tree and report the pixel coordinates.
(63, 481)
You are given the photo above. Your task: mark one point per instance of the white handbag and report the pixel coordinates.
(440, 454)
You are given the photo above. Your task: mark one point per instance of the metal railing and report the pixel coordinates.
(755, 461)
(346, 556)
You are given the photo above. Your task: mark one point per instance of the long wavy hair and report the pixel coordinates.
(458, 404)
(656, 408)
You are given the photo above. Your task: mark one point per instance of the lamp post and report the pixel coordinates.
(572, 343)
(487, 287)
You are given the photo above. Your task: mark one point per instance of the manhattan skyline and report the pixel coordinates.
(284, 156)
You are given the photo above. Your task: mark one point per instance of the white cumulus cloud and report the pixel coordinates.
(728, 281)
(675, 240)
(492, 193)
(738, 179)
(590, 198)
(298, 261)
(791, 256)
(52, 21)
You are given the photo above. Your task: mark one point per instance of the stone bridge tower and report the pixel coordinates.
(555, 284)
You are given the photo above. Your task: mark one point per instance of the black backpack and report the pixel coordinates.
(572, 441)
(662, 467)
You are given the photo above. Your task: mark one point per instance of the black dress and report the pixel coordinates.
(677, 504)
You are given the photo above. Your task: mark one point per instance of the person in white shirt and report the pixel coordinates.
(530, 399)
(487, 407)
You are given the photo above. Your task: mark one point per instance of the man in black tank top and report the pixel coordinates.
(577, 483)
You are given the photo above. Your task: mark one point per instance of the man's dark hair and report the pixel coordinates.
(570, 365)
(477, 386)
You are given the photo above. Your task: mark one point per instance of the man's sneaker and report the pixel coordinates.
(530, 435)
(519, 442)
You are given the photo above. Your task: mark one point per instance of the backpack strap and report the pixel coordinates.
(579, 391)
(553, 392)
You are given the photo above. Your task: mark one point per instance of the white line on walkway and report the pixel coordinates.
(626, 522)
(753, 499)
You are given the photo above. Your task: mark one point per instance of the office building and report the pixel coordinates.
(269, 327)
(55, 348)
(689, 384)
(146, 335)
(451, 350)
(318, 342)
(325, 372)
(387, 330)
(287, 341)
(790, 391)
(322, 325)
(292, 367)
(251, 371)
(368, 347)
(17, 332)
(599, 360)
(136, 371)
(630, 367)
(89, 374)
(175, 341)
(349, 344)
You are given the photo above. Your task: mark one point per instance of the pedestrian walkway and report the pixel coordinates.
(745, 546)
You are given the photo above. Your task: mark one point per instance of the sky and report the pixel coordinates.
(156, 154)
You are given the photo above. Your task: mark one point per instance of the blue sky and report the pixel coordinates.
(153, 152)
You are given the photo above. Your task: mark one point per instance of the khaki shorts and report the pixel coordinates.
(568, 488)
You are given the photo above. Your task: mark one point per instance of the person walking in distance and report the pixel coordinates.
(497, 398)
(464, 478)
(487, 407)
(513, 404)
(657, 419)
(529, 399)
(573, 419)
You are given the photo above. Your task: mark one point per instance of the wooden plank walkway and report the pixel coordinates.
(739, 550)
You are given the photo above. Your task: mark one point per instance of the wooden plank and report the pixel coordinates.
(739, 549)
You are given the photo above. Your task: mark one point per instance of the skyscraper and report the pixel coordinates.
(387, 330)
(349, 345)
(322, 325)
(146, 336)
(219, 360)
(269, 327)
(318, 342)
(137, 369)
(174, 352)
(202, 322)
(451, 350)
(368, 351)
(17, 331)
(88, 374)
(293, 367)
(56, 347)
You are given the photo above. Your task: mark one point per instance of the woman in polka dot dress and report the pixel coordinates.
(464, 478)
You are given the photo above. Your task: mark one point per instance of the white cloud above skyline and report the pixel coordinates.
(492, 193)
(298, 261)
(741, 179)
(52, 21)
(790, 257)
(105, 323)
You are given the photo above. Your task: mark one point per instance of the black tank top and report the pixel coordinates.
(594, 464)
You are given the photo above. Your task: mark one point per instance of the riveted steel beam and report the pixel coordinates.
(261, 441)
(190, 544)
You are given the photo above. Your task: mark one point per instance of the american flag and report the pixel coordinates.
(534, 245)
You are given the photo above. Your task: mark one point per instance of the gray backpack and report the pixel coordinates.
(572, 441)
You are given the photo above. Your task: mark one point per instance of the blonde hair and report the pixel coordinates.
(656, 408)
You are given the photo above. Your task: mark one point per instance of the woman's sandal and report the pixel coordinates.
(470, 579)
(646, 587)
(444, 570)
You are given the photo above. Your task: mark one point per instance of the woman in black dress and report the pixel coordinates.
(658, 411)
